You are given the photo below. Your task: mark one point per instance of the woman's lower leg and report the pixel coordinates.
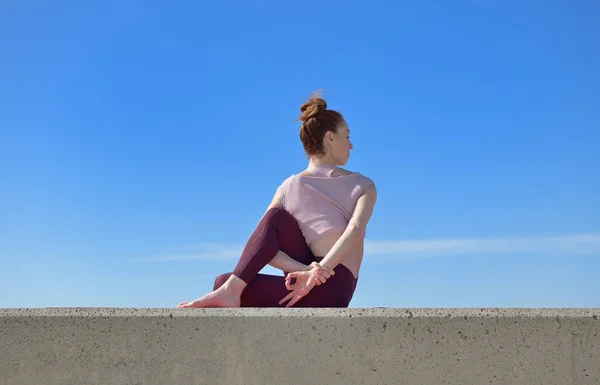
(276, 229)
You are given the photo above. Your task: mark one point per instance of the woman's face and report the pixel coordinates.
(339, 144)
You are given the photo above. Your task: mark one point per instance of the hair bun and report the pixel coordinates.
(312, 107)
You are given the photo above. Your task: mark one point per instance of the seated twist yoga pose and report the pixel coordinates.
(313, 230)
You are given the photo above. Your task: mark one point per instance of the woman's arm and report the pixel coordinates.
(353, 236)
(284, 262)
(351, 240)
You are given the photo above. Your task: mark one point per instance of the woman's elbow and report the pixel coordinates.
(356, 230)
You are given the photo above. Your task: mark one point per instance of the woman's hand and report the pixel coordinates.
(322, 272)
(305, 281)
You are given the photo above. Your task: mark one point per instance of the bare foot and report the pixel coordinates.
(217, 298)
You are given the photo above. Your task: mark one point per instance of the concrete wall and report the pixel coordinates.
(299, 346)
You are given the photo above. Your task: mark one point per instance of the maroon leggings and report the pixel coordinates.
(278, 230)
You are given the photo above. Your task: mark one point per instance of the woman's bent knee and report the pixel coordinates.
(274, 213)
(278, 213)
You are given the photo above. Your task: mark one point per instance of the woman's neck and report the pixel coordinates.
(321, 167)
(324, 161)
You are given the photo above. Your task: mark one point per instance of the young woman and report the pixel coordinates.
(313, 230)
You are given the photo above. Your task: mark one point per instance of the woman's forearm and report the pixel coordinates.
(354, 235)
(345, 245)
(284, 262)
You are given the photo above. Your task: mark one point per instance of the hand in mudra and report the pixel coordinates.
(304, 282)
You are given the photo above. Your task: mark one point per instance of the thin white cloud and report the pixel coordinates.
(24, 266)
(550, 245)
(428, 248)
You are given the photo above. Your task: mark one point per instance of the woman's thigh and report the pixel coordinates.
(291, 239)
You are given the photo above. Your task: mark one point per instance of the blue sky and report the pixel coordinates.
(140, 145)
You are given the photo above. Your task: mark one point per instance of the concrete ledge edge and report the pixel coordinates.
(593, 313)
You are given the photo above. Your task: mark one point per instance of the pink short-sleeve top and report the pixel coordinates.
(322, 203)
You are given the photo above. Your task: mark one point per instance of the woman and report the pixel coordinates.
(313, 229)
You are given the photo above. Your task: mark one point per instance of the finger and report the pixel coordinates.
(288, 281)
(304, 291)
(289, 285)
(327, 270)
(294, 300)
(287, 297)
(323, 273)
(284, 300)
(326, 274)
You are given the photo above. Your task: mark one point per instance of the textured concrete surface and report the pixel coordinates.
(299, 346)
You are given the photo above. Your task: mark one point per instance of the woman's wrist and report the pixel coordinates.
(317, 269)
(314, 266)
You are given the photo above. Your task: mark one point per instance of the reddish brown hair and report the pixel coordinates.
(316, 121)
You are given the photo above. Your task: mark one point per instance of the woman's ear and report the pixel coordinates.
(329, 136)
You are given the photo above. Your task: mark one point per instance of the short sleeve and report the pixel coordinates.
(282, 190)
(365, 182)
